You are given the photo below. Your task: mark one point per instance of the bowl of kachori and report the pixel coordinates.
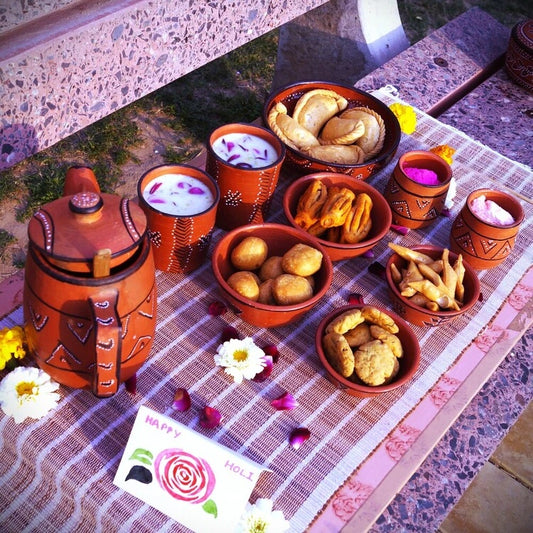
(430, 285)
(346, 216)
(271, 274)
(367, 350)
(332, 127)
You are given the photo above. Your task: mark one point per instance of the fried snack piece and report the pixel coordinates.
(345, 322)
(317, 229)
(310, 204)
(374, 136)
(338, 353)
(410, 255)
(449, 276)
(265, 293)
(337, 206)
(288, 129)
(341, 131)
(375, 364)
(271, 268)
(245, 283)
(459, 269)
(289, 289)
(358, 335)
(435, 294)
(249, 254)
(378, 317)
(392, 341)
(358, 222)
(341, 154)
(412, 273)
(423, 301)
(302, 260)
(316, 107)
(396, 275)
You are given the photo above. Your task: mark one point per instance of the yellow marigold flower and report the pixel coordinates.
(11, 345)
(444, 151)
(406, 117)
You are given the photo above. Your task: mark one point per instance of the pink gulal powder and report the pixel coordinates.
(422, 175)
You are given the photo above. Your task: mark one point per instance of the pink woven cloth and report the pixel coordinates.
(56, 473)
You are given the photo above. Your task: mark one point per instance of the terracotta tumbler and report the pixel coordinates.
(482, 244)
(416, 205)
(245, 192)
(180, 242)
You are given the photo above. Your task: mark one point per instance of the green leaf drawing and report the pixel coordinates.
(144, 456)
(210, 507)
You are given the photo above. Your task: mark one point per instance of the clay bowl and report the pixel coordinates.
(408, 363)
(280, 239)
(381, 212)
(304, 164)
(420, 316)
(485, 245)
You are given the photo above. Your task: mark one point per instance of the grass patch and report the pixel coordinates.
(6, 239)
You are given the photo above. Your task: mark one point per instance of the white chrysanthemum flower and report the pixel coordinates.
(260, 518)
(27, 393)
(242, 359)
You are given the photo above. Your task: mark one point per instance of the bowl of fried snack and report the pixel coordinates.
(271, 274)
(348, 217)
(332, 127)
(430, 285)
(367, 350)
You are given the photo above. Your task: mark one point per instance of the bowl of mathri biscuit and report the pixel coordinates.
(348, 217)
(333, 128)
(367, 350)
(271, 274)
(430, 285)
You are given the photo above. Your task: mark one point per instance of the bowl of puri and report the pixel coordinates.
(271, 274)
(333, 128)
(367, 350)
(430, 285)
(347, 217)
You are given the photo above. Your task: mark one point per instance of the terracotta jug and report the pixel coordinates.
(89, 288)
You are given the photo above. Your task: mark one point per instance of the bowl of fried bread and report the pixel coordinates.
(348, 217)
(333, 128)
(430, 285)
(367, 350)
(271, 274)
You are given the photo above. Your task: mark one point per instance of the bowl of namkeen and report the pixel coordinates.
(271, 274)
(348, 217)
(367, 350)
(430, 285)
(329, 127)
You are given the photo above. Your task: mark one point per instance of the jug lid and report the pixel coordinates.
(72, 230)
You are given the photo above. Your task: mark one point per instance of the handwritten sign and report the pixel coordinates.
(185, 475)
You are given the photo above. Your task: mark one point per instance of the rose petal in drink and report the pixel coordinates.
(196, 190)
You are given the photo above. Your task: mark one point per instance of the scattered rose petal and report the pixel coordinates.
(265, 373)
(229, 332)
(446, 212)
(131, 384)
(217, 308)
(402, 230)
(298, 437)
(272, 350)
(377, 269)
(182, 400)
(480, 297)
(355, 299)
(210, 417)
(369, 254)
(285, 402)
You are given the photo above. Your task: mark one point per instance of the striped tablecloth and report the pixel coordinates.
(56, 473)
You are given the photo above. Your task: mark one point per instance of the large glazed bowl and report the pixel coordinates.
(280, 239)
(305, 164)
(380, 214)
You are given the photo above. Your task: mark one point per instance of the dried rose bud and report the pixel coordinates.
(217, 308)
(210, 417)
(267, 370)
(285, 402)
(182, 400)
(298, 437)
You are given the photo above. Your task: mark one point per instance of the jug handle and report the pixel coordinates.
(108, 330)
(80, 179)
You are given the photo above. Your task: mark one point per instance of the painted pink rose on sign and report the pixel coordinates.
(350, 498)
(184, 476)
(401, 440)
(489, 337)
(444, 390)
